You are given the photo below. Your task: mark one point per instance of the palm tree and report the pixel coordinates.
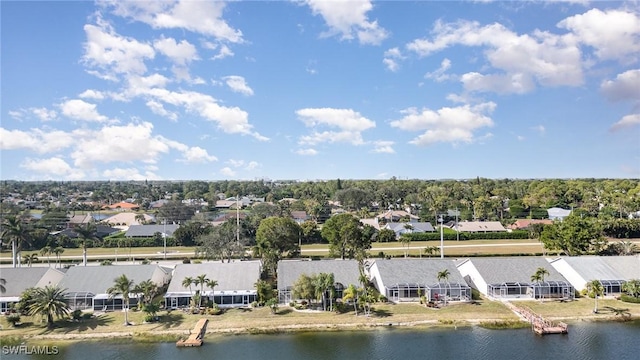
(595, 288)
(3, 289)
(200, 280)
(187, 282)
(538, 277)
(57, 251)
(46, 251)
(211, 284)
(48, 301)
(351, 293)
(328, 282)
(86, 232)
(30, 258)
(15, 231)
(122, 286)
(430, 250)
(146, 290)
(444, 275)
(632, 288)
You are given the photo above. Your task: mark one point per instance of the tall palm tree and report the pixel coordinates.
(57, 251)
(17, 233)
(187, 282)
(211, 284)
(146, 290)
(122, 286)
(48, 301)
(30, 259)
(538, 277)
(47, 251)
(444, 275)
(595, 288)
(351, 293)
(200, 280)
(86, 233)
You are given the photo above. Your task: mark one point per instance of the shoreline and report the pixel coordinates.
(158, 336)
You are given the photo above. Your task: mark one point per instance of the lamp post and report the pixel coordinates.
(441, 221)
(164, 238)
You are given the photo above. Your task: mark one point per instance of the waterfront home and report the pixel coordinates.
(511, 278)
(402, 280)
(17, 280)
(345, 273)
(477, 226)
(236, 284)
(87, 286)
(611, 271)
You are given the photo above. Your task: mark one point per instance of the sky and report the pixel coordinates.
(317, 89)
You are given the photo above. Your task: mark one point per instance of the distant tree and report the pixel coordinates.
(345, 236)
(122, 286)
(57, 251)
(30, 259)
(187, 234)
(431, 250)
(386, 235)
(573, 236)
(3, 289)
(48, 301)
(221, 242)
(86, 234)
(632, 288)
(275, 238)
(15, 231)
(46, 251)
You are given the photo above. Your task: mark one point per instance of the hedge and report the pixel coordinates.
(138, 242)
(430, 236)
(629, 299)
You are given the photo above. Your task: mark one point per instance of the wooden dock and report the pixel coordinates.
(539, 324)
(197, 335)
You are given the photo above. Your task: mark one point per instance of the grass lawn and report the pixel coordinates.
(581, 308)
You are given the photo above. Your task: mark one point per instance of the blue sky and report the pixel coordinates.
(180, 90)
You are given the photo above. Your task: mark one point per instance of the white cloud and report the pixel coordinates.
(252, 165)
(227, 171)
(224, 52)
(625, 86)
(203, 17)
(114, 54)
(349, 123)
(454, 125)
(92, 94)
(614, 34)
(552, 60)
(36, 140)
(235, 163)
(54, 168)
(158, 109)
(197, 155)
(539, 128)
(520, 138)
(238, 84)
(81, 110)
(43, 114)
(383, 146)
(391, 59)
(349, 20)
(626, 122)
(180, 53)
(307, 152)
(129, 174)
(440, 74)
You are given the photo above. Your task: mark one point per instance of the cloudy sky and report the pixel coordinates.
(317, 89)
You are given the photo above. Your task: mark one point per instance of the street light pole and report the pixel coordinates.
(441, 220)
(164, 238)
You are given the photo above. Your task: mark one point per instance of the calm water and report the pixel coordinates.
(586, 341)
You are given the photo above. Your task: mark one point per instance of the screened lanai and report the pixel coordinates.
(452, 291)
(612, 286)
(553, 290)
(79, 300)
(104, 302)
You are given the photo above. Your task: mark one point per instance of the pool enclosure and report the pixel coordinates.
(408, 292)
(79, 300)
(525, 290)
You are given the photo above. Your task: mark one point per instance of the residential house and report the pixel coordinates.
(77, 220)
(522, 224)
(402, 280)
(300, 216)
(87, 286)
(236, 283)
(166, 230)
(371, 222)
(101, 232)
(510, 278)
(477, 226)
(123, 206)
(611, 271)
(397, 215)
(345, 273)
(17, 280)
(124, 220)
(409, 228)
(556, 213)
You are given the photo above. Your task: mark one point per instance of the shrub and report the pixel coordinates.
(629, 299)
(148, 318)
(186, 261)
(87, 316)
(13, 319)
(146, 262)
(76, 315)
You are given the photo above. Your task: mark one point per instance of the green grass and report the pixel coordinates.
(504, 324)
